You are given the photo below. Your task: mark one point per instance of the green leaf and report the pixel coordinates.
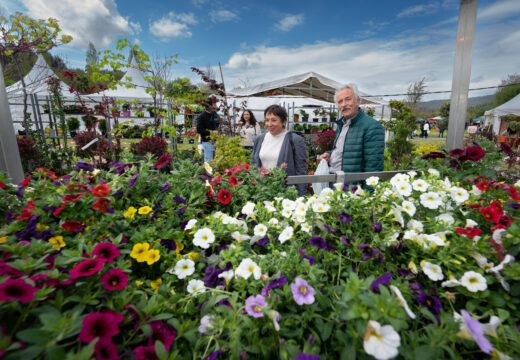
(160, 350)
(28, 353)
(85, 353)
(34, 336)
(55, 352)
(163, 316)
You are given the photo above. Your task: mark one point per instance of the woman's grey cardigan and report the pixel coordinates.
(295, 158)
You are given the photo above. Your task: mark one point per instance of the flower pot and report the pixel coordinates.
(305, 119)
(296, 118)
(332, 118)
(315, 119)
(116, 113)
(191, 141)
(307, 131)
(324, 119)
(314, 131)
(179, 140)
(22, 132)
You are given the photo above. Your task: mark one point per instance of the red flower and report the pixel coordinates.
(475, 206)
(73, 197)
(217, 179)
(458, 154)
(105, 349)
(506, 221)
(114, 279)
(499, 250)
(475, 153)
(163, 332)
(60, 209)
(86, 268)
(145, 353)
(106, 251)
(97, 324)
(224, 196)
(72, 225)
(2, 185)
(513, 193)
(498, 207)
(468, 231)
(25, 182)
(484, 185)
(490, 213)
(101, 190)
(101, 204)
(163, 161)
(498, 226)
(233, 180)
(17, 289)
(25, 215)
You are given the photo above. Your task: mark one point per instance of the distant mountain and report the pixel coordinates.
(433, 105)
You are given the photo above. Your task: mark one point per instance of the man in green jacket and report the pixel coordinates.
(359, 144)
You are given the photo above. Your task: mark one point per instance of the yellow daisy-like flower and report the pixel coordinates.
(138, 283)
(152, 256)
(57, 241)
(140, 252)
(193, 256)
(130, 212)
(143, 210)
(155, 285)
(3, 239)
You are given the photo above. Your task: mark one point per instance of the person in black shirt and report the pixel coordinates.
(206, 122)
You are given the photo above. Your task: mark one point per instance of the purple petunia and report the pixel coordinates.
(254, 306)
(214, 355)
(318, 242)
(84, 166)
(182, 210)
(432, 302)
(263, 241)
(377, 227)
(302, 292)
(344, 217)
(305, 356)
(165, 188)
(169, 244)
(368, 251)
(477, 332)
(179, 200)
(383, 280)
(278, 282)
(132, 180)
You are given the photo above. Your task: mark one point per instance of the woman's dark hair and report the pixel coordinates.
(252, 119)
(278, 111)
(209, 101)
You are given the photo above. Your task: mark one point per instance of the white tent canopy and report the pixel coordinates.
(134, 76)
(310, 85)
(493, 116)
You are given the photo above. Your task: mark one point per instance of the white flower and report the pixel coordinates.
(489, 328)
(305, 227)
(497, 235)
(408, 207)
(227, 275)
(247, 268)
(410, 235)
(432, 240)
(399, 179)
(372, 181)
(248, 208)
(269, 206)
(299, 218)
(260, 230)
(190, 224)
(239, 237)
(206, 323)
(326, 193)
(402, 300)
(434, 272)
(392, 239)
(208, 168)
(184, 267)
(203, 238)
(196, 287)
(227, 220)
(460, 195)
(446, 218)
(412, 174)
(320, 207)
(471, 223)
(218, 214)
(434, 172)
(275, 317)
(473, 281)
(416, 225)
(301, 209)
(288, 204)
(338, 186)
(450, 283)
(273, 222)
(420, 185)
(286, 213)
(431, 200)
(286, 234)
(381, 341)
(475, 191)
(404, 189)
(398, 215)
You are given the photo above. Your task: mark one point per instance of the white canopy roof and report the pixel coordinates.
(310, 85)
(135, 76)
(510, 107)
(35, 81)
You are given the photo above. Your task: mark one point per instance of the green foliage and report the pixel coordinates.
(399, 147)
(507, 93)
(228, 152)
(415, 93)
(72, 123)
(444, 110)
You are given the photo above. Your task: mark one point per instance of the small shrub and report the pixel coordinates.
(72, 123)
(154, 145)
(27, 148)
(99, 148)
(228, 152)
(89, 121)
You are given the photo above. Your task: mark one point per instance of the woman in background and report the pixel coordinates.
(279, 146)
(249, 128)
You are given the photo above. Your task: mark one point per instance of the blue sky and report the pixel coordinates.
(383, 46)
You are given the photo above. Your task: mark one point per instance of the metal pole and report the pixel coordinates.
(461, 73)
(10, 162)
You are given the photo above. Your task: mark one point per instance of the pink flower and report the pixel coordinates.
(105, 349)
(106, 251)
(145, 353)
(163, 332)
(100, 325)
(17, 289)
(86, 268)
(114, 279)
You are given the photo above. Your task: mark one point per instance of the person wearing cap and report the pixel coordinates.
(206, 122)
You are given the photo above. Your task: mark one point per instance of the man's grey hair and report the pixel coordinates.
(350, 86)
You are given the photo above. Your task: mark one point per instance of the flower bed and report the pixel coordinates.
(147, 262)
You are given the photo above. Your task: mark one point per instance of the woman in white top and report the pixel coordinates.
(249, 128)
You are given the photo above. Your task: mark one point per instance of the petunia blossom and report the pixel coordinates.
(382, 342)
(99, 324)
(106, 251)
(114, 279)
(17, 289)
(302, 292)
(86, 268)
(477, 332)
(254, 306)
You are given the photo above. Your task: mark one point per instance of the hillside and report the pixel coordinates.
(433, 105)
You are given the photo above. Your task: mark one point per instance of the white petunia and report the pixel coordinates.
(206, 324)
(248, 208)
(412, 174)
(434, 272)
(450, 283)
(320, 207)
(372, 181)
(402, 300)
(459, 195)
(239, 237)
(196, 287)
(218, 214)
(475, 191)
(288, 204)
(408, 207)
(326, 193)
(471, 223)
(399, 179)
(300, 218)
(473, 281)
(260, 230)
(208, 168)
(227, 275)
(434, 172)
(305, 227)
(286, 234)
(203, 238)
(247, 268)
(398, 215)
(410, 235)
(392, 239)
(404, 189)
(446, 218)
(184, 268)
(432, 240)
(420, 185)
(338, 186)
(269, 206)
(273, 222)
(229, 220)
(416, 225)
(381, 342)
(286, 213)
(190, 224)
(301, 209)
(431, 200)
(497, 235)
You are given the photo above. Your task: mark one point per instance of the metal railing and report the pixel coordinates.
(341, 177)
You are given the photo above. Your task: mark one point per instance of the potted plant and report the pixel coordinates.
(333, 116)
(46, 109)
(115, 111)
(316, 113)
(151, 110)
(298, 127)
(73, 125)
(305, 115)
(139, 113)
(513, 127)
(191, 134)
(314, 129)
(324, 115)
(307, 128)
(296, 117)
(89, 121)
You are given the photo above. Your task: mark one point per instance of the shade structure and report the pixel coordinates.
(493, 116)
(310, 85)
(133, 85)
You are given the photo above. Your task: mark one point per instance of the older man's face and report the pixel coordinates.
(348, 105)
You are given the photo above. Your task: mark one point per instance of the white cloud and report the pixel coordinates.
(222, 15)
(290, 21)
(499, 10)
(199, 3)
(428, 8)
(97, 21)
(172, 26)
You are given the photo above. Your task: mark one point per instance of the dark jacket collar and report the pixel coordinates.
(355, 119)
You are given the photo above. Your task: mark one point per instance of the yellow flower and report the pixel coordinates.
(143, 210)
(152, 256)
(101, 237)
(59, 190)
(3, 239)
(178, 248)
(138, 283)
(155, 285)
(193, 256)
(130, 212)
(41, 227)
(57, 241)
(208, 168)
(140, 252)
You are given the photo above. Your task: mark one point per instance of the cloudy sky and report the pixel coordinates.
(381, 45)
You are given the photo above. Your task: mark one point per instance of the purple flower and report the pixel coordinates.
(368, 252)
(345, 240)
(45, 235)
(305, 356)
(329, 229)
(9, 216)
(377, 227)
(383, 280)
(214, 355)
(344, 217)
(179, 200)
(403, 272)
(477, 332)
(432, 302)
(84, 166)
(254, 306)
(302, 292)
(263, 241)
(181, 210)
(169, 244)
(132, 180)
(183, 224)
(165, 188)
(455, 164)
(19, 192)
(345, 187)
(354, 189)
(319, 242)
(513, 205)
(273, 284)
(118, 193)
(57, 183)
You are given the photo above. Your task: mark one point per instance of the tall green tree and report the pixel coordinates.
(91, 56)
(508, 92)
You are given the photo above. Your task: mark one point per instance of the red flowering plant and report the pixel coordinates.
(325, 140)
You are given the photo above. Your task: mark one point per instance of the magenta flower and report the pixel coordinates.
(114, 279)
(475, 153)
(254, 306)
(477, 332)
(302, 292)
(458, 154)
(305, 356)
(163, 332)
(105, 349)
(106, 251)
(100, 325)
(86, 268)
(145, 353)
(17, 289)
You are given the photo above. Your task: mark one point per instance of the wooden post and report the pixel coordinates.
(461, 73)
